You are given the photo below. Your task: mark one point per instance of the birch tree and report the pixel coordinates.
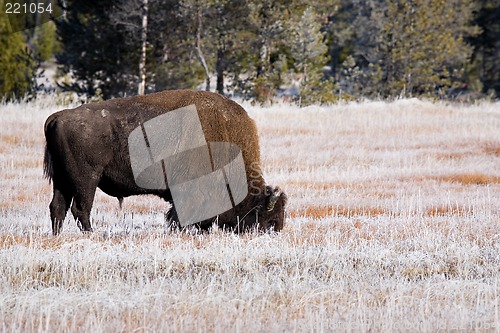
(196, 12)
(132, 16)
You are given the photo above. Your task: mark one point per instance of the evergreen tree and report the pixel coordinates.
(17, 66)
(486, 55)
(374, 47)
(44, 41)
(310, 56)
(268, 18)
(412, 47)
(427, 51)
(174, 62)
(229, 21)
(339, 35)
(267, 60)
(94, 51)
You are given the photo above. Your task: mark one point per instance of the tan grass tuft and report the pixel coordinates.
(10, 139)
(471, 179)
(447, 211)
(313, 185)
(317, 212)
(28, 163)
(453, 156)
(38, 242)
(138, 208)
(493, 149)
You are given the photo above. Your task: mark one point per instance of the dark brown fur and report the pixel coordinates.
(87, 147)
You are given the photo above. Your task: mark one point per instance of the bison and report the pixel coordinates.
(87, 147)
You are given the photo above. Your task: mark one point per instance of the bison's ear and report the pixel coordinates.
(273, 198)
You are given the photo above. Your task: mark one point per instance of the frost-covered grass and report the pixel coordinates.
(393, 225)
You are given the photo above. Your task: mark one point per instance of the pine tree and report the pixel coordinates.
(415, 47)
(229, 23)
(44, 41)
(267, 59)
(172, 62)
(339, 34)
(428, 50)
(309, 53)
(94, 51)
(486, 55)
(17, 67)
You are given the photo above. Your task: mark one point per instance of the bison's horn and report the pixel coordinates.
(273, 199)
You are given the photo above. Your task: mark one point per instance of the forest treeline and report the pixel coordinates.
(307, 52)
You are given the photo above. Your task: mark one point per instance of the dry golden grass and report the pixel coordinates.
(8, 241)
(312, 185)
(10, 139)
(17, 139)
(318, 212)
(452, 155)
(492, 148)
(470, 179)
(447, 211)
(137, 205)
(28, 163)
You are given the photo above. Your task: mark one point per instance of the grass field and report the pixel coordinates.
(393, 226)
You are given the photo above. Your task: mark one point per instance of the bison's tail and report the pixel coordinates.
(48, 169)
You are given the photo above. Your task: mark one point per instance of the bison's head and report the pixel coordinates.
(266, 210)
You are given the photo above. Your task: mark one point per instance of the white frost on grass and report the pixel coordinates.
(392, 226)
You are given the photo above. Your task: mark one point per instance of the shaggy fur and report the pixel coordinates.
(87, 147)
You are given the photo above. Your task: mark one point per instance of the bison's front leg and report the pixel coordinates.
(173, 221)
(172, 218)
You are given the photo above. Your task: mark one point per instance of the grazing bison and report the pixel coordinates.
(88, 147)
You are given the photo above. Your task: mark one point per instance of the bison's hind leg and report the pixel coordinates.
(58, 207)
(82, 203)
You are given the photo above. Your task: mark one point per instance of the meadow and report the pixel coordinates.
(392, 226)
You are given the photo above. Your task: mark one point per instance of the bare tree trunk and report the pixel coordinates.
(220, 71)
(199, 52)
(142, 58)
